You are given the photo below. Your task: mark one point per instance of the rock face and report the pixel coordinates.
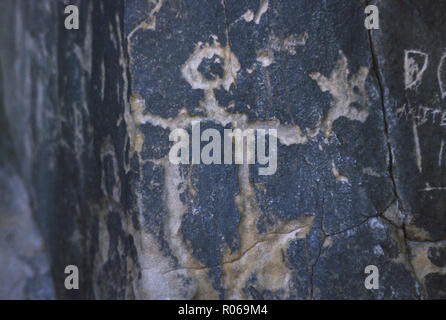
(360, 117)
(28, 55)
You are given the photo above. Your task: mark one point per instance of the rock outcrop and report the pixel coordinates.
(359, 114)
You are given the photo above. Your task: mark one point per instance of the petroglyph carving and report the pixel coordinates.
(150, 22)
(250, 16)
(252, 244)
(288, 45)
(441, 73)
(417, 150)
(422, 114)
(415, 64)
(263, 7)
(339, 177)
(230, 66)
(346, 91)
(429, 188)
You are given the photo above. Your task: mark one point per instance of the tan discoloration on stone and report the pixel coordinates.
(262, 255)
(133, 119)
(339, 177)
(417, 233)
(157, 282)
(160, 278)
(267, 261)
(263, 7)
(248, 16)
(419, 253)
(265, 57)
(399, 239)
(414, 232)
(394, 214)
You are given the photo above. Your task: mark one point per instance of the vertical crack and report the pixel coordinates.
(228, 42)
(314, 265)
(376, 70)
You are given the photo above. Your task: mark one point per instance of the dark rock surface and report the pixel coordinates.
(85, 126)
(26, 79)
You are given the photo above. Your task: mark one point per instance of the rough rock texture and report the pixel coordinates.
(27, 144)
(360, 115)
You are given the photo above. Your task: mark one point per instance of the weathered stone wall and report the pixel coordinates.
(28, 65)
(360, 125)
